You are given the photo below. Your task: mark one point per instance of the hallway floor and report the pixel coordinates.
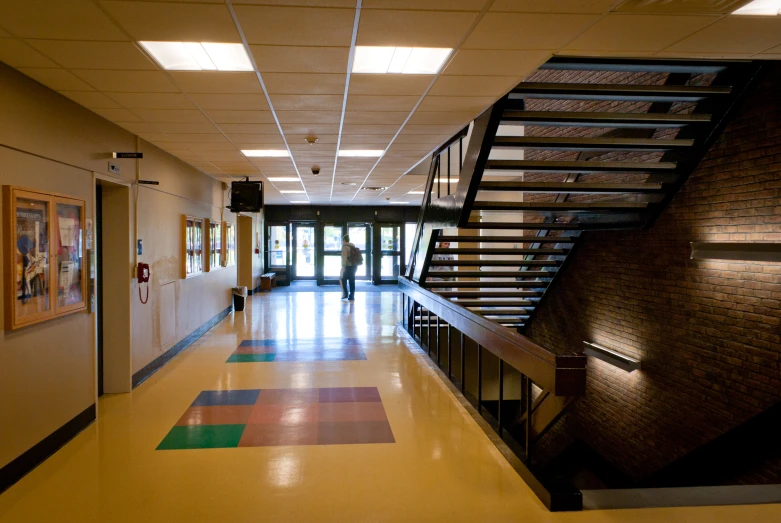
(332, 416)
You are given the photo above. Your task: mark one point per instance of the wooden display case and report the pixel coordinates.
(44, 258)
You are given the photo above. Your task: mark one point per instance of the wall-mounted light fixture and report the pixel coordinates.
(610, 356)
(762, 252)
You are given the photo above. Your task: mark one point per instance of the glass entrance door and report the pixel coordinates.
(303, 252)
(389, 264)
(332, 254)
(360, 236)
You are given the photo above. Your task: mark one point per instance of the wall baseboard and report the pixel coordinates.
(158, 363)
(36, 455)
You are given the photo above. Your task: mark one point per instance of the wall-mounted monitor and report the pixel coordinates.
(246, 196)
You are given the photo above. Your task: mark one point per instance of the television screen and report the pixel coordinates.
(246, 197)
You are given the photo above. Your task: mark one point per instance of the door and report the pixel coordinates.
(332, 254)
(360, 236)
(303, 252)
(98, 243)
(278, 251)
(388, 260)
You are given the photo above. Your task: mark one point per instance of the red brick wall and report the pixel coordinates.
(708, 333)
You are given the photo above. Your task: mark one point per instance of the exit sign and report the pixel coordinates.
(128, 155)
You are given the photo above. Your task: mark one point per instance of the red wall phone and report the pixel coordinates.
(143, 277)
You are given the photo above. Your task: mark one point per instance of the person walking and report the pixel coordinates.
(351, 259)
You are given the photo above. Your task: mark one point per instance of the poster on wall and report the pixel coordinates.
(88, 234)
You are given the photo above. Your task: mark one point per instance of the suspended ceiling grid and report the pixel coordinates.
(86, 50)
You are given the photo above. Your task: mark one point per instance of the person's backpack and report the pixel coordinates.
(355, 257)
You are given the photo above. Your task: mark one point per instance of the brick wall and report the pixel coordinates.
(708, 333)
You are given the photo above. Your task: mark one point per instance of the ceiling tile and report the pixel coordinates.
(94, 55)
(381, 103)
(196, 138)
(249, 128)
(474, 85)
(386, 129)
(441, 117)
(72, 20)
(140, 127)
(526, 31)
(57, 79)
(395, 84)
(152, 100)
(689, 6)
(291, 83)
(18, 54)
(413, 28)
(296, 25)
(216, 82)
(91, 99)
(117, 115)
(299, 140)
(162, 21)
(249, 141)
(295, 59)
(309, 129)
(295, 3)
(428, 5)
(171, 116)
(319, 102)
(381, 117)
(314, 117)
(432, 129)
(746, 34)
(621, 32)
(560, 6)
(496, 63)
(127, 81)
(196, 147)
(222, 117)
(367, 139)
(186, 128)
(216, 156)
(238, 102)
(456, 103)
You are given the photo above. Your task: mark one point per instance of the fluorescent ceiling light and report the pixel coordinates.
(199, 56)
(265, 153)
(404, 203)
(299, 201)
(349, 183)
(399, 60)
(760, 7)
(361, 153)
(293, 192)
(283, 179)
(415, 192)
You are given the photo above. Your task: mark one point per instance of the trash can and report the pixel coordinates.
(239, 298)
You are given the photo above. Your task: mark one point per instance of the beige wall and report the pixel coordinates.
(47, 142)
(250, 237)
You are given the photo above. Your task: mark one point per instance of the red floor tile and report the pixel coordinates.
(266, 435)
(373, 411)
(216, 415)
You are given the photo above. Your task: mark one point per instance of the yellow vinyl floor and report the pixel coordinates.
(144, 461)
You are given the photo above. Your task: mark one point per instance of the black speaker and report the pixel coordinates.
(246, 196)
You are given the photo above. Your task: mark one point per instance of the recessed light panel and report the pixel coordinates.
(361, 153)
(266, 153)
(761, 8)
(399, 60)
(283, 179)
(400, 203)
(199, 56)
(415, 192)
(299, 201)
(292, 192)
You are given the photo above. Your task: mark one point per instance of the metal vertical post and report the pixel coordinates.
(463, 362)
(449, 352)
(438, 362)
(528, 424)
(448, 171)
(428, 331)
(479, 378)
(501, 395)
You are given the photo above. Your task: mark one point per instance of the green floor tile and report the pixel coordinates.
(202, 437)
(248, 358)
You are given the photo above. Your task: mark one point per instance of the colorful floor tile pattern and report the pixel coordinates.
(323, 349)
(276, 417)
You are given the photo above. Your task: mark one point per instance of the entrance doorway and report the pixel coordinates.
(113, 292)
(388, 263)
(331, 257)
(304, 252)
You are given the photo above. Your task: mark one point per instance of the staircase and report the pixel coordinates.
(583, 144)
